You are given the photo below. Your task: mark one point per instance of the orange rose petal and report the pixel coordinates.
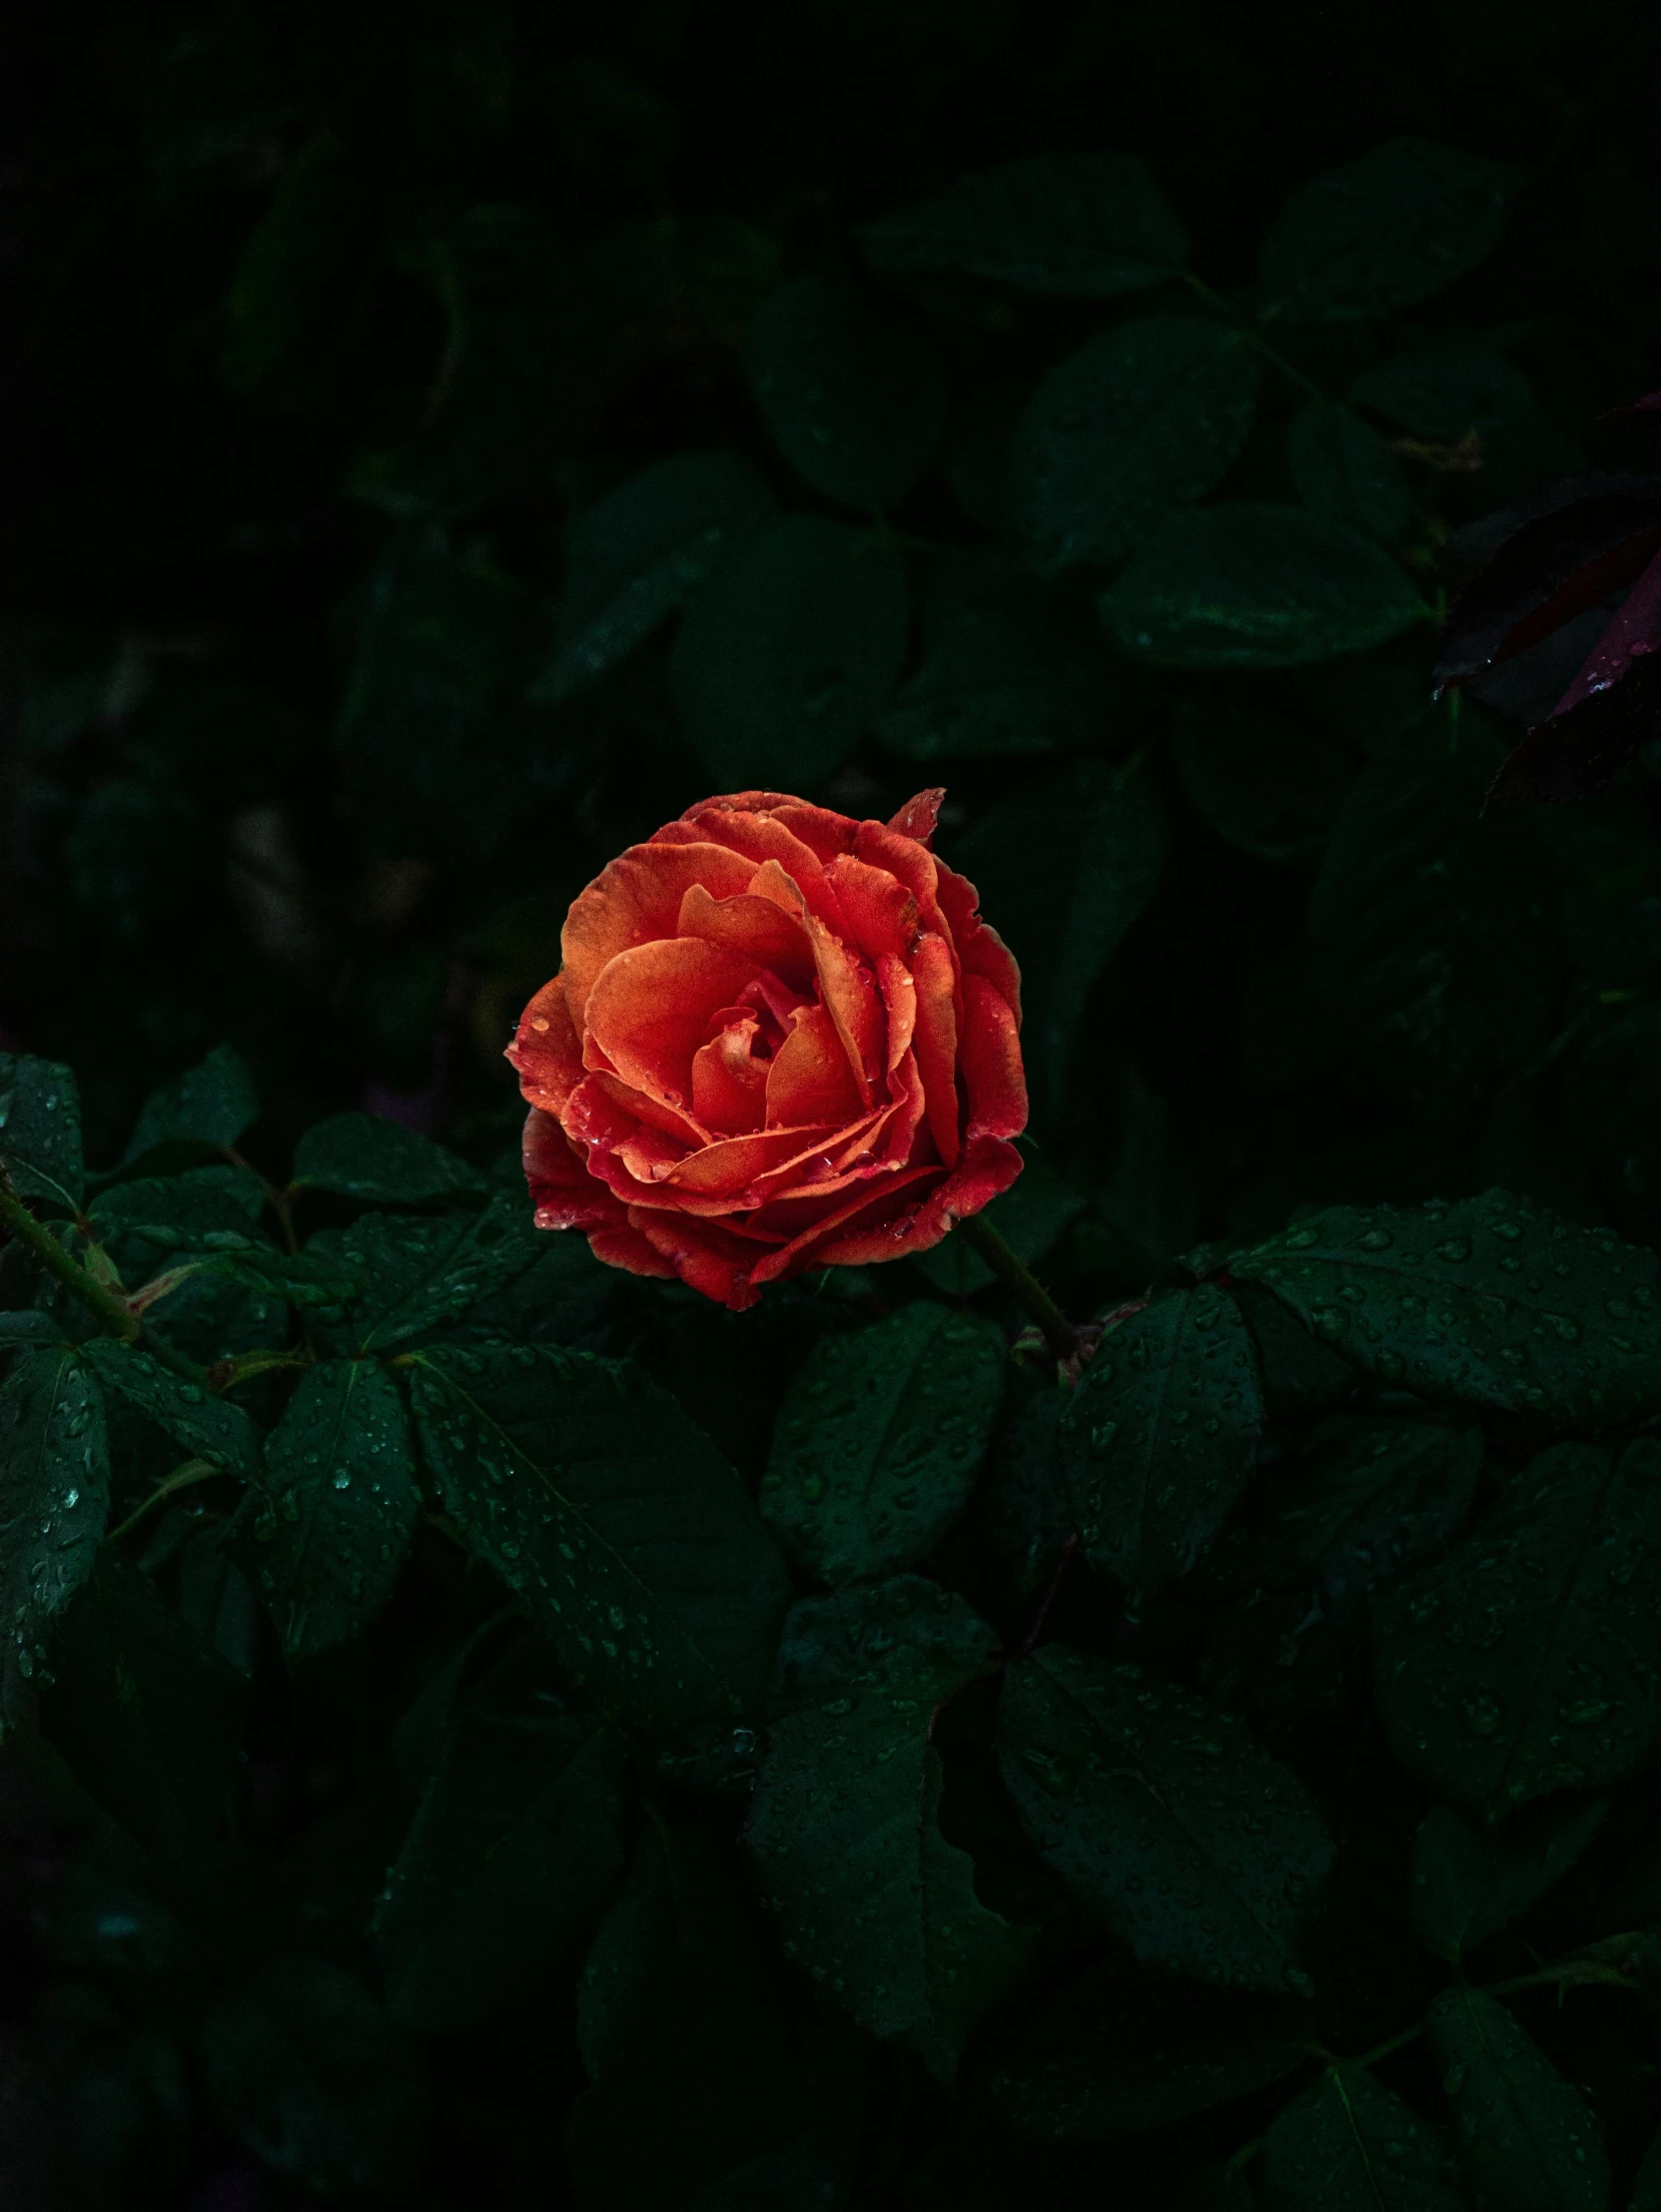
(798, 1254)
(770, 934)
(563, 1193)
(899, 1001)
(987, 1169)
(730, 1084)
(809, 1081)
(649, 1010)
(845, 991)
(981, 950)
(732, 1167)
(701, 1256)
(620, 1244)
(546, 1052)
(918, 817)
(881, 914)
(634, 1106)
(634, 901)
(936, 1040)
(991, 1060)
(757, 838)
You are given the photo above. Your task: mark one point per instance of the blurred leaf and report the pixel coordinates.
(1259, 779)
(1159, 1437)
(1526, 2138)
(360, 1155)
(1343, 470)
(1252, 584)
(515, 1847)
(1532, 1315)
(146, 1713)
(1349, 2144)
(1075, 226)
(309, 2077)
(1445, 392)
(299, 293)
(1138, 421)
(1433, 928)
(844, 1828)
(794, 646)
(1468, 1884)
(1064, 868)
(1165, 1815)
(1008, 668)
(1382, 233)
(40, 1128)
(1530, 1657)
(851, 397)
(55, 1480)
(641, 552)
(879, 1441)
(631, 1539)
(324, 1536)
(1115, 2052)
(210, 1104)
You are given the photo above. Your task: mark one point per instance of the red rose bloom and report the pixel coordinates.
(779, 1039)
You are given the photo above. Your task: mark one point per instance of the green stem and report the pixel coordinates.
(1254, 336)
(1058, 1332)
(181, 1478)
(116, 1316)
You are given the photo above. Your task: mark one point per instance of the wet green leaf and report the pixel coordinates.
(632, 1541)
(54, 1501)
(200, 1425)
(792, 647)
(1160, 1437)
(1468, 1883)
(1491, 1303)
(420, 1274)
(1527, 2141)
(1529, 1659)
(324, 1536)
(1341, 468)
(1252, 584)
(1349, 2144)
(1072, 225)
(1384, 231)
(880, 1438)
(851, 395)
(210, 1104)
(1137, 421)
(844, 1828)
(40, 1128)
(1163, 1814)
(360, 1155)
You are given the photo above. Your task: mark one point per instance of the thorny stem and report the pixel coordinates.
(117, 1316)
(1058, 1331)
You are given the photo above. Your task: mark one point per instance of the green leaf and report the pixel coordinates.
(1008, 668)
(1164, 1814)
(633, 1542)
(1115, 2052)
(360, 1155)
(325, 1535)
(1646, 2194)
(309, 2077)
(1160, 1437)
(1382, 233)
(641, 552)
(844, 1828)
(1137, 421)
(418, 1274)
(1364, 1501)
(1252, 584)
(1468, 1884)
(210, 1104)
(204, 1427)
(1435, 930)
(40, 1128)
(1529, 1659)
(1446, 392)
(1064, 868)
(1349, 2144)
(880, 1438)
(1343, 469)
(55, 1483)
(688, 2051)
(146, 1713)
(1073, 226)
(851, 397)
(514, 1850)
(1491, 1303)
(793, 646)
(1258, 778)
(172, 1213)
(1527, 2141)
(1031, 1218)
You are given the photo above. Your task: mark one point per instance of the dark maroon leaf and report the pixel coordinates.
(1581, 749)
